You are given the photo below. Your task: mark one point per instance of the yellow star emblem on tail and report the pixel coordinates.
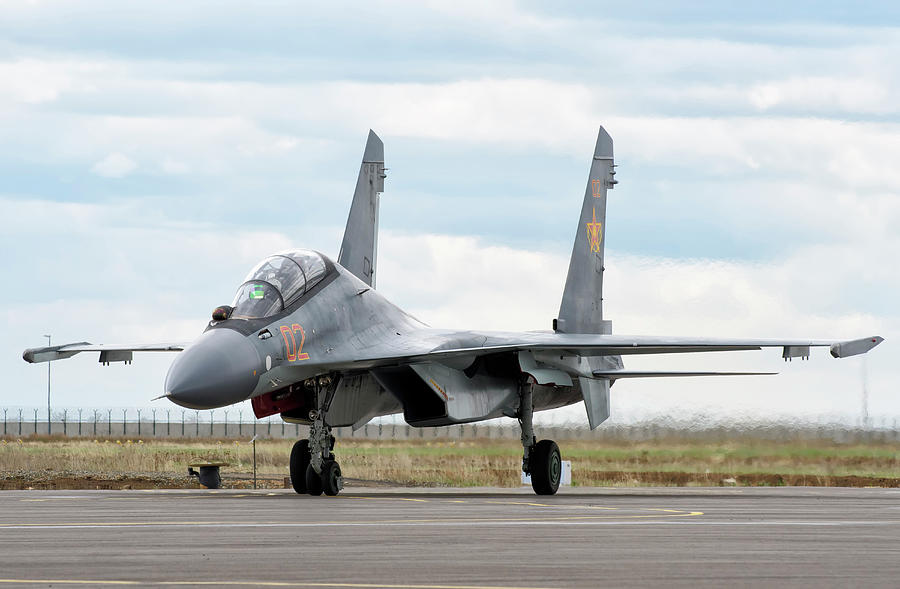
(595, 233)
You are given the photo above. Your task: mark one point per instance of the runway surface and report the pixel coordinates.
(417, 538)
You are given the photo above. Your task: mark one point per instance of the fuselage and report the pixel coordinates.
(332, 329)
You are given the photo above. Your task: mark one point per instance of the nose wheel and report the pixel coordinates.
(299, 464)
(331, 479)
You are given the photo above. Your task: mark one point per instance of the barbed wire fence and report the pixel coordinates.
(240, 422)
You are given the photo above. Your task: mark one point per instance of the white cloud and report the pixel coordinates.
(765, 120)
(510, 113)
(115, 165)
(837, 153)
(171, 166)
(34, 81)
(821, 93)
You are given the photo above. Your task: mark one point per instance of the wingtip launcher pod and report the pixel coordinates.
(35, 355)
(855, 347)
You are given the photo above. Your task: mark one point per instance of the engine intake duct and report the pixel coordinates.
(421, 405)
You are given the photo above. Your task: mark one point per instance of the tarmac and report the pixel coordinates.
(452, 538)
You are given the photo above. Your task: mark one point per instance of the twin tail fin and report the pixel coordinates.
(360, 245)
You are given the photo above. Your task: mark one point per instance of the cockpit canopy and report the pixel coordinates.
(277, 282)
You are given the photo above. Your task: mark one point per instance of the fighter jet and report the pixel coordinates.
(311, 339)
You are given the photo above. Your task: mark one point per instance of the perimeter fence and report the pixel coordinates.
(236, 424)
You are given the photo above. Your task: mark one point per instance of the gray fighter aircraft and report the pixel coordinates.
(312, 340)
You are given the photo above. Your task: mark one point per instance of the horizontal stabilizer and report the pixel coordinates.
(614, 374)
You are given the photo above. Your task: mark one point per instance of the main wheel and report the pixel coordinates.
(545, 463)
(331, 478)
(299, 464)
(313, 481)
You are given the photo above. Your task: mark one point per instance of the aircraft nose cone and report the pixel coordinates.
(219, 369)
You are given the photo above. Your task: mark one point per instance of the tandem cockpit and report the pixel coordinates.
(198, 378)
(275, 284)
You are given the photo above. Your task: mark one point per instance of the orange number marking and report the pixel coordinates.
(300, 354)
(294, 353)
(289, 345)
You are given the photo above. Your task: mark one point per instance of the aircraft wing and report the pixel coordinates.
(474, 344)
(108, 352)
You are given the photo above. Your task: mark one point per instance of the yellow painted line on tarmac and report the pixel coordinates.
(67, 582)
(195, 496)
(520, 503)
(323, 585)
(568, 506)
(109, 524)
(379, 498)
(459, 520)
(347, 585)
(62, 498)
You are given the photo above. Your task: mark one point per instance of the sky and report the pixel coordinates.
(152, 153)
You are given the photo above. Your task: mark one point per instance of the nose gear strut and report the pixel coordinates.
(314, 469)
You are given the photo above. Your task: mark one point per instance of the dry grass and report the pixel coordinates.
(469, 462)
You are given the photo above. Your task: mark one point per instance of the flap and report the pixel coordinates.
(542, 374)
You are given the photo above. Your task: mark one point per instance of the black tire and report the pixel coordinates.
(545, 463)
(313, 481)
(299, 464)
(331, 478)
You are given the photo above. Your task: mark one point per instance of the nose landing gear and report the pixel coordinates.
(313, 468)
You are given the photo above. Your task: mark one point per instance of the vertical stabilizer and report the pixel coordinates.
(360, 245)
(581, 310)
(596, 399)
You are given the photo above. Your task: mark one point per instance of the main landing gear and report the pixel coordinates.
(314, 469)
(541, 460)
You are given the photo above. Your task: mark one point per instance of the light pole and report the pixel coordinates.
(253, 441)
(48, 388)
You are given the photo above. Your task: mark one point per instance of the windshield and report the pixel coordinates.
(256, 299)
(277, 282)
